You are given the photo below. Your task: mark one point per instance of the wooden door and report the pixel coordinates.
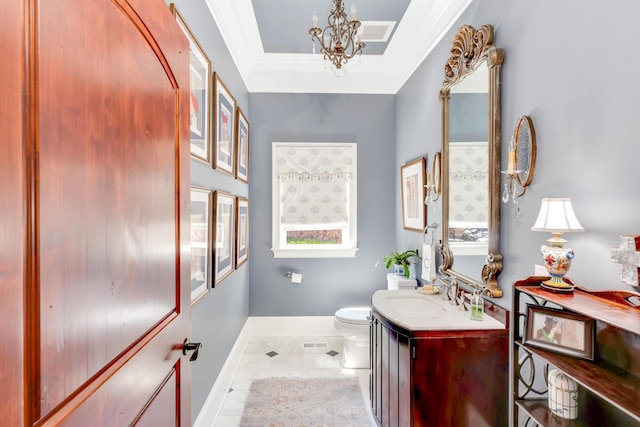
(94, 234)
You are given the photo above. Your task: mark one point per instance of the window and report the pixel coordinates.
(314, 200)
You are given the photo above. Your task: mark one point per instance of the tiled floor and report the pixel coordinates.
(292, 357)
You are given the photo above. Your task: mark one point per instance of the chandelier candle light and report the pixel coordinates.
(340, 40)
(557, 216)
(511, 187)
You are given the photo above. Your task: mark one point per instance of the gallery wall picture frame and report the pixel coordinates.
(201, 231)
(412, 178)
(223, 235)
(242, 230)
(560, 331)
(224, 113)
(199, 93)
(242, 146)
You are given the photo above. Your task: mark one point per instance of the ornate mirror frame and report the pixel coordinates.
(436, 173)
(471, 48)
(526, 147)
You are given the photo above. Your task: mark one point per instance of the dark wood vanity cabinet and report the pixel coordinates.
(438, 378)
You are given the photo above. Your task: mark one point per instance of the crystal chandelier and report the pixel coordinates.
(340, 40)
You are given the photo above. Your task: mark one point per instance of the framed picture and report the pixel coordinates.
(199, 93)
(242, 231)
(559, 331)
(412, 178)
(200, 242)
(224, 119)
(223, 235)
(242, 146)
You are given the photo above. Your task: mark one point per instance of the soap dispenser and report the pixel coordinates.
(477, 305)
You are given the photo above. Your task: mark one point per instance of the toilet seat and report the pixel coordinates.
(353, 315)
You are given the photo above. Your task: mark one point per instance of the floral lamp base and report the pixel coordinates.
(557, 260)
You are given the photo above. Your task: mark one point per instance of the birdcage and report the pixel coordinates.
(563, 395)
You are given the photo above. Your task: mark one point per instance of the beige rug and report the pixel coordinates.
(308, 402)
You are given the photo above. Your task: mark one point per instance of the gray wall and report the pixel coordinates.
(216, 320)
(327, 284)
(565, 66)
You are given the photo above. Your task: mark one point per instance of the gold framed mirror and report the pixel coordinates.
(470, 97)
(436, 173)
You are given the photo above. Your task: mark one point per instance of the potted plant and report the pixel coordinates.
(400, 261)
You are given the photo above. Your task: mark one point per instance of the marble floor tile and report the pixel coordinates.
(285, 357)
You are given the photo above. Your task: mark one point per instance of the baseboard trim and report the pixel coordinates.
(256, 326)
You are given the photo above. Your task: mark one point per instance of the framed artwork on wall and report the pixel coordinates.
(200, 242)
(242, 146)
(224, 125)
(223, 235)
(412, 178)
(559, 331)
(242, 231)
(199, 94)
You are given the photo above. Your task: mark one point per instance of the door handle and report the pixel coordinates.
(191, 346)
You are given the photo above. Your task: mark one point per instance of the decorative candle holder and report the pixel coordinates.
(433, 188)
(521, 163)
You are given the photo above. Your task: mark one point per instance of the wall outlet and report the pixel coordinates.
(539, 270)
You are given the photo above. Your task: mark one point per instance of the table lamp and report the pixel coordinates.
(557, 217)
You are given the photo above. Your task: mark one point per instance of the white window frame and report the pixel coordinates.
(279, 247)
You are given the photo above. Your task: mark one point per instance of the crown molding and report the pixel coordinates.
(307, 73)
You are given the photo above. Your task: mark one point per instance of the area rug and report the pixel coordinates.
(305, 402)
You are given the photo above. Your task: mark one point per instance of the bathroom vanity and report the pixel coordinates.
(431, 365)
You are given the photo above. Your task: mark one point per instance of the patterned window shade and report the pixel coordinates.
(314, 184)
(469, 184)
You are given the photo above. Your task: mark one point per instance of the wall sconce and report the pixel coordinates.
(522, 162)
(433, 186)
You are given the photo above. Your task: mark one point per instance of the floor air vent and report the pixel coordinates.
(315, 345)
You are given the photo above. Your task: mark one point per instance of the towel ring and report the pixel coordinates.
(433, 227)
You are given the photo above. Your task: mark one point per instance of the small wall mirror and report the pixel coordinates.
(470, 98)
(436, 172)
(525, 139)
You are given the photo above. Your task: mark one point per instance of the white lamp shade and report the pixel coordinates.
(557, 216)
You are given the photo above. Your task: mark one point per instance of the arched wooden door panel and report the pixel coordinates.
(106, 167)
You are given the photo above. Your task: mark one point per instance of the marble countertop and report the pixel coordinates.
(413, 310)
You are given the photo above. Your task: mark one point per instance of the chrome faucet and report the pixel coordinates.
(450, 289)
(464, 296)
(454, 287)
(444, 287)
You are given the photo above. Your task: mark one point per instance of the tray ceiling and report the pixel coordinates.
(271, 46)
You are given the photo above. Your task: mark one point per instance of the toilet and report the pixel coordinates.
(353, 324)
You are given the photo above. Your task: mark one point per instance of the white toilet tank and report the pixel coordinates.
(395, 282)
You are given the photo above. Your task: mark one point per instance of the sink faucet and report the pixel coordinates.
(451, 289)
(445, 287)
(464, 296)
(454, 287)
